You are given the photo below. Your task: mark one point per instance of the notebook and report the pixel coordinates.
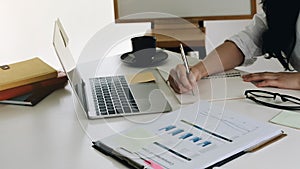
(222, 86)
(25, 72)
(109, 96)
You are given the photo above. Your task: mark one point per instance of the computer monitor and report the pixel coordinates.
(126, 10)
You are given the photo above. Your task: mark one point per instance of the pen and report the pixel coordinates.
(113, 153)
(185, 62)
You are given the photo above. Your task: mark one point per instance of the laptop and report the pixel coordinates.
(107, 96)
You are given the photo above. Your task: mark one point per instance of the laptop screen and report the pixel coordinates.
(60, 42)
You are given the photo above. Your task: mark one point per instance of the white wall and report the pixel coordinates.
(27, 26)
(218, 31)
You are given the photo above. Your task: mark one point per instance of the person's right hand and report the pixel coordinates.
(180, 81)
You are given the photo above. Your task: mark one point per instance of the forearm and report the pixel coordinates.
(224, 57)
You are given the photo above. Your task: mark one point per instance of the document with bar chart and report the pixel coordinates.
(198, 136)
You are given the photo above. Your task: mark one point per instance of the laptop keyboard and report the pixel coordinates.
(112, 95)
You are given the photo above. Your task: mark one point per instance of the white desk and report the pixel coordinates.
(52, 135)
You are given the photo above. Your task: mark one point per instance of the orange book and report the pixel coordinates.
(53, 83)
(25, 72)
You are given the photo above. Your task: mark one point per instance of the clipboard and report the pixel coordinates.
(188, 139)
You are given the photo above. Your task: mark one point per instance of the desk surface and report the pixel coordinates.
(53, 134)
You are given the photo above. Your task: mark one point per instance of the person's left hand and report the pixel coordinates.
(285, 80)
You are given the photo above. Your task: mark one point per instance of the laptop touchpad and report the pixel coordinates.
(149, 97)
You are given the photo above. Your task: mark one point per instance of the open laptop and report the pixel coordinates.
(107, 96)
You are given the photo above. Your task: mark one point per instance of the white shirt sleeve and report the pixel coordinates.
(249, 40)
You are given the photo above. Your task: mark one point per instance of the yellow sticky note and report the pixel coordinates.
(141, 78)
(287, 118)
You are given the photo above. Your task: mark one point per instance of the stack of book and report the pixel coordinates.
(28, 82)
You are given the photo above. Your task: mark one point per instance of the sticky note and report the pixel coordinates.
(287, 118)
(143, 77)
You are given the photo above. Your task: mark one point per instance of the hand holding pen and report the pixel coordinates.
(181, 79)
(185, 62)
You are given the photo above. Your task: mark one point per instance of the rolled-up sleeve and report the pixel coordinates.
(249, 40)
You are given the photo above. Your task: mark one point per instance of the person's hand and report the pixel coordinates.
(180, 81)
(285, 80)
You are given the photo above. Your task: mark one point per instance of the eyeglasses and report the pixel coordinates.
(275, 100)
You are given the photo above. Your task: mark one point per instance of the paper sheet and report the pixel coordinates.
(196, 136)
(287, 118)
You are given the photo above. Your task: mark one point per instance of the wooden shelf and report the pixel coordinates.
(169, 38)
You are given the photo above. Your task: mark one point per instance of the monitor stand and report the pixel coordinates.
(170, 33)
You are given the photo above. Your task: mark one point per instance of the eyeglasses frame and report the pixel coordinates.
(283, 97)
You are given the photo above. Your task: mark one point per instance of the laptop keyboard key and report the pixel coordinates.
(113, 95)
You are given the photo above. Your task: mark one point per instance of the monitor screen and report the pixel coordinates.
(150, 10)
